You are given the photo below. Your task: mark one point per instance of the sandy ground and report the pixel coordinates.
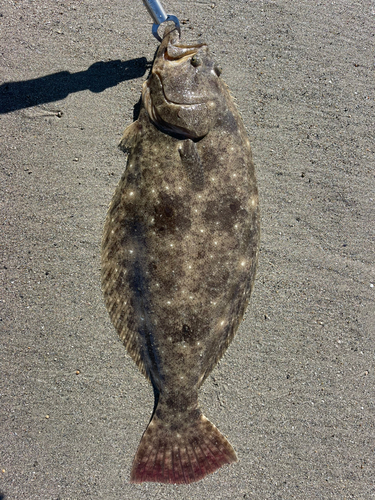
(295, 391)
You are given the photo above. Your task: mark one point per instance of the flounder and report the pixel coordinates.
(179, 253)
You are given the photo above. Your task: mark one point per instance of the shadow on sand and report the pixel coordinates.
(98, 77)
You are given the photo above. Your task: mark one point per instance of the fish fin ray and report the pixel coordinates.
(184, 456)
(238, 308)
(192, 163)
(129, 136)
(116, 289)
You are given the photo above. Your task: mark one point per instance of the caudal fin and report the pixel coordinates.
(182, 456)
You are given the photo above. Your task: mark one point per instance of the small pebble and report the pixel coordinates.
(78, 372)
(47, 416)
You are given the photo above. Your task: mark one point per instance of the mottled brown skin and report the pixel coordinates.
(179, 253)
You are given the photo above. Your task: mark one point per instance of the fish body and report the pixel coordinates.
(179, 253)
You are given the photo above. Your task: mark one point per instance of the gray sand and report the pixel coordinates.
(295, 391)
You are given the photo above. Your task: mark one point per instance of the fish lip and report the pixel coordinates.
(177, 51)
(187, 53)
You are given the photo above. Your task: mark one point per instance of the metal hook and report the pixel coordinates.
(159, 16)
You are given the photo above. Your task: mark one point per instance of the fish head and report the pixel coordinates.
(183, 94)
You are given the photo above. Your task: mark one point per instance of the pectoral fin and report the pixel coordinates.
(192, 163)
(130, 136)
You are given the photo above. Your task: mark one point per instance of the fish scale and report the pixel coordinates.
(179, 253)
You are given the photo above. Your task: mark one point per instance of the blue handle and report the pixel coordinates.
(159, 16)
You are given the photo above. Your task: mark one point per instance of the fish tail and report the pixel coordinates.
(184, 455)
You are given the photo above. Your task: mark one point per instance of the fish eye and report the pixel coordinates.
(196, 61)
(217, 69)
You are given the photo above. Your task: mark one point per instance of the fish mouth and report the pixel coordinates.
(178, 51)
